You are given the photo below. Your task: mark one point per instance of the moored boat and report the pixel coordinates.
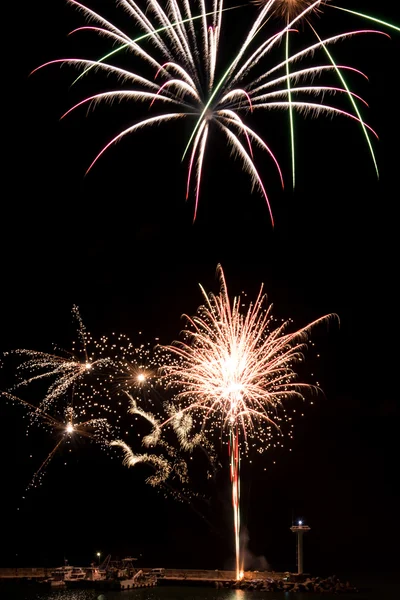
(95, 574)
(139, 580)
(57, 579)
(74, 576)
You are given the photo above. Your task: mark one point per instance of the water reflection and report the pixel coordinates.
(18, 592)
(236, 595)
(68, 595)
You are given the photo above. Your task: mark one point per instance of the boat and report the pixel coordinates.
(95, 574)
(74, 576)
(54, 581)
(57, 579)
(138, 580)
(59, 573)
(77, 576)
(120, 575)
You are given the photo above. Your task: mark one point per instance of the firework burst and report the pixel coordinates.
(233, 372)
(230, 378)
(72, 424)
(99, 371)
(165, 457)
(180, 45)
(67, 368)
(90, 387)
(166, 463)
(288, 9)
(293, 10)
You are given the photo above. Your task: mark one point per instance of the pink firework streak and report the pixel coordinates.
(235, 464)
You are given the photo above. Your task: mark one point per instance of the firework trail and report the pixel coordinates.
(169, 462)
(181, 45)
(89, 387)
(232, 373)
(98, 370)
(67, 369)
(72, 424)
(162, 465)
(288, 10)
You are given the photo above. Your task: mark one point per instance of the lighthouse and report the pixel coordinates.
(300, 529)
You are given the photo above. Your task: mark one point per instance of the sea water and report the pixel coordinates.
(382, 590)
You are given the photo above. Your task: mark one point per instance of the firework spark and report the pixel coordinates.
(164, 464)
(288, 9)
(88, 394)
(291, 10)
(99, 371)
(66, 369)
(231, 375)
(233, 371)
(72, 424)
(169, 462)
(189, 80)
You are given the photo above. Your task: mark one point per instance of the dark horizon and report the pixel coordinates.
(121, 244)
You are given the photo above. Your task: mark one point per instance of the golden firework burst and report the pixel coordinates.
(289, 9)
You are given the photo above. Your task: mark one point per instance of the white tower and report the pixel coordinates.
(300, 530)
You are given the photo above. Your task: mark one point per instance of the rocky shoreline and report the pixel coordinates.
(292, 584)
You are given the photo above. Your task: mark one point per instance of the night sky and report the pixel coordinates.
(121, 244)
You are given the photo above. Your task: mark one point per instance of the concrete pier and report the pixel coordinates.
(37, 573)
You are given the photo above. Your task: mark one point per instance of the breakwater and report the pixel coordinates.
(267, 581)
(292, 584)
(252, 580)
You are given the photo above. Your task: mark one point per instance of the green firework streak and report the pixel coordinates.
(353, 12)
(353, 102)
(291, 120)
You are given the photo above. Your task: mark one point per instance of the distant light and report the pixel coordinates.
(300, 522)
(88, 366)
(141, 377)
(70, 428)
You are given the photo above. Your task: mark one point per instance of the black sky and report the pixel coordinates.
(121, 244)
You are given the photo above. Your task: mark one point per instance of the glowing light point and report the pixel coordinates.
(70, 428)
(141, 377)
(88, 366)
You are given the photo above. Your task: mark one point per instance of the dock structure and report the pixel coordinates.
(209, 576)
(263, 581)
(27, 573)
(151, 577)
(178, 575)
(130, 584)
